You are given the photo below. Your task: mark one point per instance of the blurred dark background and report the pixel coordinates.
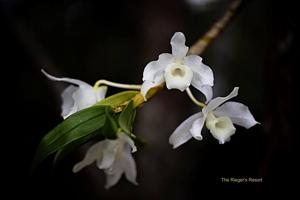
(91, 39)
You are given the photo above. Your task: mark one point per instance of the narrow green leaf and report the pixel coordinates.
(110, 128)
(127, 117)
(61, 153)
(73, 128)
(117, 99)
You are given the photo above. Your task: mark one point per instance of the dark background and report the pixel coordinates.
(91, 40)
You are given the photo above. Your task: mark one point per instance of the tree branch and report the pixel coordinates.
(200, 46)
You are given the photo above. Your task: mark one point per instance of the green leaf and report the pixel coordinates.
(61, 153)
(126, 120)
(75, 127)
(127, 117)
(110, 128)
(117, 99)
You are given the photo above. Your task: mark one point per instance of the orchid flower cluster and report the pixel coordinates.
(174, 71)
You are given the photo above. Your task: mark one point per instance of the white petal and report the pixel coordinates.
(203, 75)
(197, 127)
(238, 113)
(93, 153)
(154, 73)
(112, 176)
(157, 67)
(68, 80)
(100, 93)
(68, 107)
(84, 97)
(182, 133)
(179, 50)
(129, 166)
(108, 156)
(216, 102)
(147, 85)
(206, 90)
(178, 76)
(221, 128)
(129, 141)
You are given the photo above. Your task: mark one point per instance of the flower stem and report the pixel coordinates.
(192, 97)
(117, 85)
(200, 46)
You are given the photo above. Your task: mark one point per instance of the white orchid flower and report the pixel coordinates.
(76, 98)
(114, 157)
(219, 120)
(178, 70)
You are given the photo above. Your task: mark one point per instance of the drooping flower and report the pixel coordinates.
(114, 157)
(76, 98)
(218, 117)
(178, 70)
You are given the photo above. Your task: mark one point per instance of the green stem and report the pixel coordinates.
(192, 97)
(117, 85)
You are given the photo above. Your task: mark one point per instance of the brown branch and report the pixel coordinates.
(200, 46)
